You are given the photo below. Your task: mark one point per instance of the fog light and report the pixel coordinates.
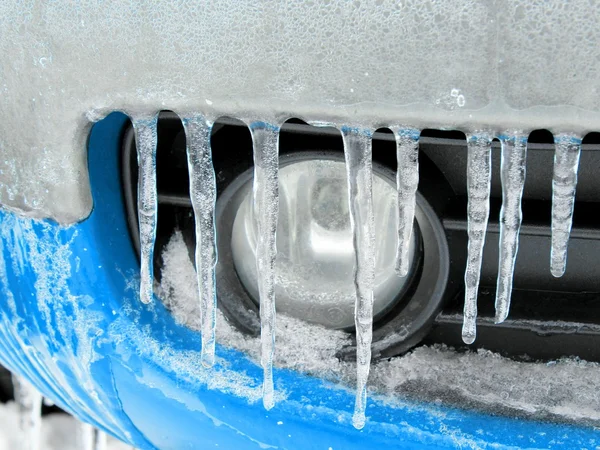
(315, 255)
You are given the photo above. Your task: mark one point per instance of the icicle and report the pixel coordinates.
(86, 436)
(407, 179)
(100, 440)
(29, 402)
(564, 183)
(357, 150)
(512, 175)
(203, 193)
(145, 141)
(479, 176)
(265, 138)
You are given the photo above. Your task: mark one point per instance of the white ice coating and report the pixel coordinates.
(145, 141)
(203, 193)
(407, 180)
(465, 64)
(564, 184)
(29, 402)
(512, 175)
(265, 139)
(479, 177)
(357, 151)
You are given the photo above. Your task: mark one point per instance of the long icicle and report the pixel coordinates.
(407, 180)
(86, 436)
(203, 192)
(479, 177)
(145, 140)
(512, 175)
(357, 150)
(564, 184)
(29, 402)
(265, 138)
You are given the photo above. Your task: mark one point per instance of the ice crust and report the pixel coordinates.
(563, 390)
(464, 64)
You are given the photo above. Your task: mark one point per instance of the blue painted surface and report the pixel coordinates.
(71, 322)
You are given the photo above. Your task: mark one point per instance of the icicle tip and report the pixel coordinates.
(359, 420)
(468, 337)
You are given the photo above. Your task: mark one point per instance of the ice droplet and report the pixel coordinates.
(203, 192)
(407, 180)
(479, 176)
(564, 184)
(512, 175)
(357, 151)
(265, 139)
(145, 140)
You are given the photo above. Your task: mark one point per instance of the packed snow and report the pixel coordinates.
(565, 390)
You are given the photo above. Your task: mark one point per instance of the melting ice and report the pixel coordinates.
(407, 180)
(357, 150)
(203, 194)
(145, 141)
(512, 175)
(564, 183)
(479, 177)
(265, 138)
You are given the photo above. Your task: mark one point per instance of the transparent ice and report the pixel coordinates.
(512, 175)
(357, 151)
(145, 141)
(564, 183)
(265, 139)
(479, 176)
(407, 180)
(203, 194)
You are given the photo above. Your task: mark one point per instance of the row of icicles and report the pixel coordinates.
(29, 403)
(357, 149)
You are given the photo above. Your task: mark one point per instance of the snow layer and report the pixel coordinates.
(467, 64)
(563, 390)
(59, 432)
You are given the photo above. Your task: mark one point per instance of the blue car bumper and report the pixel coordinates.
(71, 323)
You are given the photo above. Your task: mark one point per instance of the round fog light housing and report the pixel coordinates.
(314, 269)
